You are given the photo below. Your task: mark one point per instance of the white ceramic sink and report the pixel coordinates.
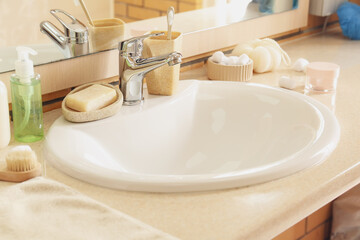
(210, 135)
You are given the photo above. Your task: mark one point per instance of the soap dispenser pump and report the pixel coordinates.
(26, 98)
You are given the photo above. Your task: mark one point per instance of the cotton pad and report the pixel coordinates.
(300, 65)
(287, 82)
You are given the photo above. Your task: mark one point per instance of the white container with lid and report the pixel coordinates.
(322, 76)
(5, 134)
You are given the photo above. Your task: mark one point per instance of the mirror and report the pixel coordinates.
(20, 20)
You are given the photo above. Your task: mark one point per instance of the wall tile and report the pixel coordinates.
(293, 233)
(142, 13)
(322, 232)
(120, 9)
(184, 7)
(162, 5)
(133, 2)
(319, 217)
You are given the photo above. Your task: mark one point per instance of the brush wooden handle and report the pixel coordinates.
(11, 176)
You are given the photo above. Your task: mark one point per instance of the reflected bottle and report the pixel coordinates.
(266, 6)
(276, 6)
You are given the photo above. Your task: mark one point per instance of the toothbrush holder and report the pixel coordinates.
(106, 33)
(164, 80)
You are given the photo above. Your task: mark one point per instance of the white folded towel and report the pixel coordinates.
(44, 209)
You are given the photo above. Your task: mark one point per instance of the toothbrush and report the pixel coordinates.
(170, 21)
(81, 2)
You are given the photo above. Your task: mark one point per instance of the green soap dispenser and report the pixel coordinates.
(26, 99)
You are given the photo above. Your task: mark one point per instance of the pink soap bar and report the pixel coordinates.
(322, 76)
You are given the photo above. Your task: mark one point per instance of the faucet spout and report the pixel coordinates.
(133, 69)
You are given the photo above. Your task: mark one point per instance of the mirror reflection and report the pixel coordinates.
(64, 35)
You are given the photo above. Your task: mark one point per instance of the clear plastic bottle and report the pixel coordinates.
(4, 117)
(266, 6)
(26, 99)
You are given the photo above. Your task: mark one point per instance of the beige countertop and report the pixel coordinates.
(261, 211)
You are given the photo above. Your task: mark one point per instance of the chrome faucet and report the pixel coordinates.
(132, 67)
(74, 41)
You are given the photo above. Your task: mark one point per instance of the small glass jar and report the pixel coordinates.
(322, 76)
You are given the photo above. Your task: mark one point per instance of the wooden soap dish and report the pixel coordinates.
(75, 116)
(240, 73)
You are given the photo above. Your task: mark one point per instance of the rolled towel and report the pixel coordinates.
(349, 19)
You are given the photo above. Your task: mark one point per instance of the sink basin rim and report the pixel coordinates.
(201, 182)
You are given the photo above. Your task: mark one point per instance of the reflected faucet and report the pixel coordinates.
(73, 41)
(133, 68)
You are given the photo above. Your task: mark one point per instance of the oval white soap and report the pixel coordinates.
(91, 98)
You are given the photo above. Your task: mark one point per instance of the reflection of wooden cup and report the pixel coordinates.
(106, 33)
(164, 80)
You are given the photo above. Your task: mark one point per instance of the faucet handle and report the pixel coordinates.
(133, 47)
(75, 30)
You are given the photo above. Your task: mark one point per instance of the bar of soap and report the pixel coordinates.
(91, 98)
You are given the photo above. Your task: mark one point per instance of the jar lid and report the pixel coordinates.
(323, 70)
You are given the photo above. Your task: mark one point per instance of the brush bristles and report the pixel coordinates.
(21, 159)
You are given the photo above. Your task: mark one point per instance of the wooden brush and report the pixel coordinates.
(21, 165)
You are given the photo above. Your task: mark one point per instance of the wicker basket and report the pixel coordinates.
(240, 73)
